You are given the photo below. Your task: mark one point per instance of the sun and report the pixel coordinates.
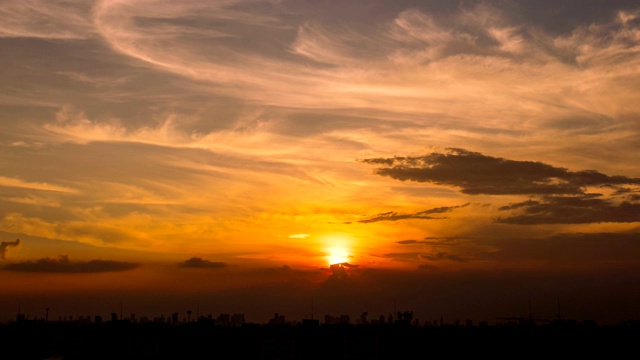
(337, 256)
(338, 248)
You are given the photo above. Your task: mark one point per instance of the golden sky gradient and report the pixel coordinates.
(458, 157)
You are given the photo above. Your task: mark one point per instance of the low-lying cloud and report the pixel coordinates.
(63, 265)
(198, 262)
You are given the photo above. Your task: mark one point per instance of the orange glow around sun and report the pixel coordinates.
(337, 256)
(338, 249)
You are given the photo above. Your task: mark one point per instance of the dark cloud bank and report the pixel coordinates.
(572, 210)
(561, 195)
(475, 173)
(562, 250)
(200, 263)
(63, 265)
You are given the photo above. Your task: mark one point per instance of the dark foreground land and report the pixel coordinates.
(123, 340)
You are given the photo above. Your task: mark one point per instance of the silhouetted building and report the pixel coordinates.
(328, 319)
(277, 319)
(469, 323)
(237, 319)
(223, 320)
(310, 323)
(363, 318)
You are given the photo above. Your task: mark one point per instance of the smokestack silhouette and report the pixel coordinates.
(4, 247)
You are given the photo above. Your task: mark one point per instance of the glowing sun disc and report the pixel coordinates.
(337, 256)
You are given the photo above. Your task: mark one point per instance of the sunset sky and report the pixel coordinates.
(461, 159)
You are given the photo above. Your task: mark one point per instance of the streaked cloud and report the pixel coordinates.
(439, 256)
(298, 236)
(19, 183)
(424, 215)
(403, 256)
(63, 20)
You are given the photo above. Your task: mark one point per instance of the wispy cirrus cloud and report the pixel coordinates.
(19, 183)
(64, 20)
(397, 66)
(35, 201)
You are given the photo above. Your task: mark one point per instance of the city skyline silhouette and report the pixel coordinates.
(399, 335)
